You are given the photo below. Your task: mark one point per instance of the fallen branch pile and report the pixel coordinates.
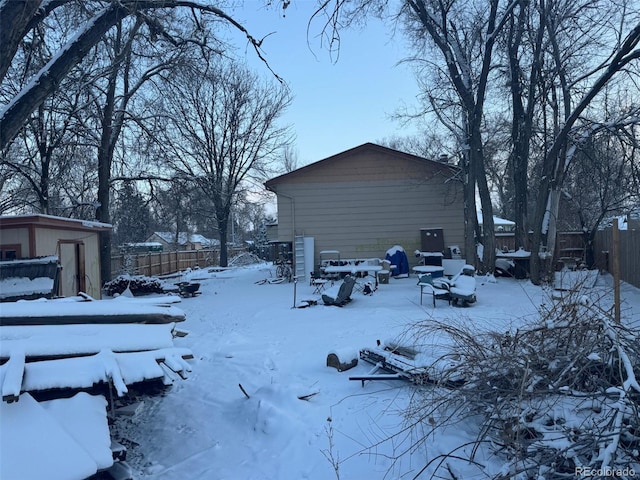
(557, 399)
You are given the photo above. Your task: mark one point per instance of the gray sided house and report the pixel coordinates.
(365, 200)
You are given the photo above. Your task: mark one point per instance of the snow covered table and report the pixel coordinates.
(435, 271)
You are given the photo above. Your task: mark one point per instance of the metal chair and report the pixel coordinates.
(318, 283)
(425, 282)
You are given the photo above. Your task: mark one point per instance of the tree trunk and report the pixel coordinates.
(105, 158)
(522, 121)
(224, 255)
(470, 215)
(488, 228)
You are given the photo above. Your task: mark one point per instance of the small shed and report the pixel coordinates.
(75, 243)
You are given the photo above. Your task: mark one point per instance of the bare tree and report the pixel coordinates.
(289, 158)
(427, 144)
(23, 21)
(463, 36)
(20, 17)
(545, 45)
(48, 145)
(523, 47)
(223, 130)
(561, 152)
(600, 181)
(135, 57)
(543, 48)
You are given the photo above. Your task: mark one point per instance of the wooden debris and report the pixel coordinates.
(131, 410)
(243, 390)
(308, 396)
(334, 361)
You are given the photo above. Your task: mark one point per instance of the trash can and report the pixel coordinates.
(383, 276)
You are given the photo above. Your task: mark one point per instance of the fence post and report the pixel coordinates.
(616, 270)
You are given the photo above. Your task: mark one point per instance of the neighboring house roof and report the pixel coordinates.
(143, 244)
(625, 222)
(497, 221)
(184, 238)
(361, 149)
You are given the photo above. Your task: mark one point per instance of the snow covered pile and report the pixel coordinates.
(25, 287)
(137, 284)
(50, 349)
(66, 438)
(553, 397)
(245, 258)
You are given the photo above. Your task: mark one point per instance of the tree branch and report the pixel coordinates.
(47, 80)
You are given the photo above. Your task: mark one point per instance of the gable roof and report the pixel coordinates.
(366, 147)
(184, 238)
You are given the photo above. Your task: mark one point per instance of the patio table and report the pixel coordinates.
(434, 270)
(355, 269)
(520, 259)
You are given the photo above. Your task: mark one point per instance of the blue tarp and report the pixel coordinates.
(398, 257)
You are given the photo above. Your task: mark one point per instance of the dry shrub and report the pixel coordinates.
(559, 395)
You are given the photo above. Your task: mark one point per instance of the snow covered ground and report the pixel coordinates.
(245, 333)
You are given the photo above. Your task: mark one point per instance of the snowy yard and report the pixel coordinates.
(244, 333)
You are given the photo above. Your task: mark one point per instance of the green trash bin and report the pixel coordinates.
(383, 276)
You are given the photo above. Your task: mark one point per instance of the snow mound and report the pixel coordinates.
(273, 410)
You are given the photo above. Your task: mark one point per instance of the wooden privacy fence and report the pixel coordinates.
(629, 253)
(162, 263)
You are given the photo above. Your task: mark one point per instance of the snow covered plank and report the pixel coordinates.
(48, 341)
(122, 369)
(84, 418)
(141, 366)
(73, 447)
(72, 373)
(11, 374)
(149, 300)
(64, 312)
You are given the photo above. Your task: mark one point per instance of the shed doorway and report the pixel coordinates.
(73, 278)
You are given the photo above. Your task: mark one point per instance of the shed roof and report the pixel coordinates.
(366, 147)
(50, 221)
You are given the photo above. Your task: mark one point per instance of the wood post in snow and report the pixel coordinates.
(616, 270)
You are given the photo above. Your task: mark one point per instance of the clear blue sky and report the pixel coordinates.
(337, 104)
